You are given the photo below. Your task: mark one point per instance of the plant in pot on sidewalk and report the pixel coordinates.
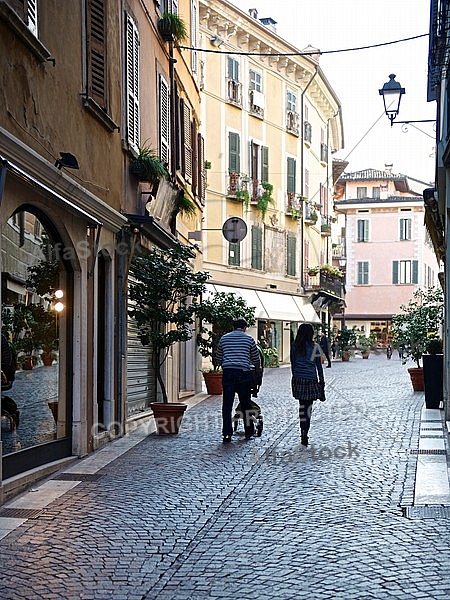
(365, 344)
(346, 341)
(165, 299)
(417, 323)
(216, 315)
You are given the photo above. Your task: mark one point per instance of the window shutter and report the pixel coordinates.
(132, 51)
(164, 120)
(187, 143)
(264, 164)
(256, 247)
(96, 51)
(234, 159)
(291, 254)
(32, 16)
(395, 271)
(201, 169)
(415, 271)
(234, 254)
(195, 170)
(291, 168)
(194, 57)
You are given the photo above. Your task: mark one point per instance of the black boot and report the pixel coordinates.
(304, 437)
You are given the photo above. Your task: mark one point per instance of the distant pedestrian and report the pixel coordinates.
(307, 376)
(238, 355)
(325, 345)
(333, 349)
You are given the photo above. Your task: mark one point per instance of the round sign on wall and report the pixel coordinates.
(234, 230)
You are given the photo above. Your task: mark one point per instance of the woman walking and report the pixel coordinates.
(307, 375)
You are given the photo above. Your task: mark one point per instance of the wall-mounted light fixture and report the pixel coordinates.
(392, 93)
(67, 160)
(216, 41)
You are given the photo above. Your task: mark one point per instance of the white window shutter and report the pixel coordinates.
(132, 67)
(32, 16)
(187, 142)
(164, 119)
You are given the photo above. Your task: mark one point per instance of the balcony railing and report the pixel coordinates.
(323, 153)
(234, 92)
(292, 122)
(332, 284)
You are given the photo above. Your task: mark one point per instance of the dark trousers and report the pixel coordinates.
(236, 381)
(327, 356)
(304, 413)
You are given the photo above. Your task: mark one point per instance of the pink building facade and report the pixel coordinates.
(388, 250)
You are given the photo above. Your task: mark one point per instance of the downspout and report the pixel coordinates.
(302, 176)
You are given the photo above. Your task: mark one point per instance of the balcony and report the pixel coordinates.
(234, 92)
(325, 227)
(332, 284)
(323, 153)
(307, 132)
(256, 104)
(310, 215)
(293, 205)
(292, 122)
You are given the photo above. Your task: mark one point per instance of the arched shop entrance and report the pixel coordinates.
(37, 292)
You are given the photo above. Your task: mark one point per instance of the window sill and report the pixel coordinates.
(91, 106)
(15, 23)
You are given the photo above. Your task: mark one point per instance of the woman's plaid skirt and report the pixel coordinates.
(306, 389)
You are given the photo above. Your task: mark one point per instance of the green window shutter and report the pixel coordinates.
(234, 254)
(395, 271)
(264, 164)
(256, 247)
(291, 254)
(234, 158)
(291, 168)
(415, 271)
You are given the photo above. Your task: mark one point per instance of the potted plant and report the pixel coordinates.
(346, 340)
(365, 344)
(147, 166)
(216, 315)
(418, 321)
(433, 373)
(265, 199)
(164, 284)
(313, 271)
(172, 28)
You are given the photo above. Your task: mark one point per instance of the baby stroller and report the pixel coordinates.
(256, 414)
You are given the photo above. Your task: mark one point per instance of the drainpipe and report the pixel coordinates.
(302, 176)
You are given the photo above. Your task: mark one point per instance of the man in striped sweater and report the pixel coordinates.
(238, 355)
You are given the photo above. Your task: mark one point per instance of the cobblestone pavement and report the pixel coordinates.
(186, 517)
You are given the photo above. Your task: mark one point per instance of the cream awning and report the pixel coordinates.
(272, 305)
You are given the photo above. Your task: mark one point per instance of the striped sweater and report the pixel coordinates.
(237, 350)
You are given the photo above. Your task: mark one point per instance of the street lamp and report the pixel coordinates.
(392, 93)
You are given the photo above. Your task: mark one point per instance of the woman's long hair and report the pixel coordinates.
(304, 337)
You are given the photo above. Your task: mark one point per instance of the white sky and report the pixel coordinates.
(356, 77)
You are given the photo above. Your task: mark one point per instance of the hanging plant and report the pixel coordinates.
(185, 205)
(243, 196)
(172, 28)
(265, 199)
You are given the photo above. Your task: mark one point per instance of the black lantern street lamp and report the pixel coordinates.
(392, 93)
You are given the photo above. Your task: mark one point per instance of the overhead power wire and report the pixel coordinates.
(312, 52)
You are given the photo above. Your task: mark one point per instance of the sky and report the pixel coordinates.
(370, 141)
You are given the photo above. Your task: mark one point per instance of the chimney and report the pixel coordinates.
(269, 23)
(253, 12)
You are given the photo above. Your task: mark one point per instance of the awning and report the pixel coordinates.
(273, 306)
(249, 296)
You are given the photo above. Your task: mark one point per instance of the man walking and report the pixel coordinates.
(238, 355)
(325, 346)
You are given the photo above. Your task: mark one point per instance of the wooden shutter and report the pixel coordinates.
(132, 52)
(195, 170)
(96, 51)
(187, 143)
(164, 120)
(256, 247)
(234, 158)
(201, 169)
(291, 168)
(28, 12)
(291, 254)
(415, 272)
(264, 164)
(395, 271)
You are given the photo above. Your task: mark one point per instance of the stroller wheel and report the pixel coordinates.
(259, 426)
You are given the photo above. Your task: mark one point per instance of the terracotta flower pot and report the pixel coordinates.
(213, 381)
(416, 375)
(168, 416)
(345, 356)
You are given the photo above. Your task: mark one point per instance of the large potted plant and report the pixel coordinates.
(433, 373)
(216, 315)
(147, 166)
(412, 328)
(346, 340)
(365, 344)
(161, 294)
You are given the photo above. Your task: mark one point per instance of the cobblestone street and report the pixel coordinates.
(186, 517)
